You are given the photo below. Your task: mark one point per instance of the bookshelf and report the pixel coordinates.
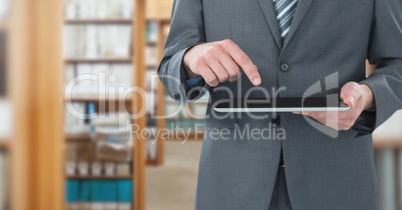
(158, 19)
(387, 143)
(117, 52)
(154, 48)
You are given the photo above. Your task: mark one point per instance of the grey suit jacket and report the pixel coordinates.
(326, 47)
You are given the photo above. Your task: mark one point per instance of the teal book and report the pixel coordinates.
(96, 194)
(125, 188)
(96, 190)
(110, 194)
(85, 195)
(85, 191)
(72, 188)
(125, 194)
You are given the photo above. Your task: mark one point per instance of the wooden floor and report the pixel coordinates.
(172, 186)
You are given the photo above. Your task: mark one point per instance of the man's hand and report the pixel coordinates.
(358, 97)
(218, 62)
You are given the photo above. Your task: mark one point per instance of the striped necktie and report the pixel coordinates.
(285, 10)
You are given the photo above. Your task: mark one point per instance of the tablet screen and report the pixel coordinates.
(282, 105)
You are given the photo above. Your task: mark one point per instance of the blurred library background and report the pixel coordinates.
(66, 68)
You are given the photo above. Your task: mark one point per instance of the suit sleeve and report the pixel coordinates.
(186, 31)
(385, 51)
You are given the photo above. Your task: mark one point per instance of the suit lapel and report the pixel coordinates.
(301, 11)
(267, 7)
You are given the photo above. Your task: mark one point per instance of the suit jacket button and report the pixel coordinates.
(284, 67)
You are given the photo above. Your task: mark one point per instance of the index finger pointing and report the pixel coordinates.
(243, 61)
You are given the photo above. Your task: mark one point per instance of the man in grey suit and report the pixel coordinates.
(246, 49)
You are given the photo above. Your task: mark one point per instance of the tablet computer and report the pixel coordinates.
(312, 104)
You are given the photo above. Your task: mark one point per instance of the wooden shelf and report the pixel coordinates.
(161, 20)
(77, 137)
(96, 99)
(387, 143)
(98, 60)
(99, 177)
(152, 162)
(4, 143)
(99, 21)
(151, 66)
(152, 43)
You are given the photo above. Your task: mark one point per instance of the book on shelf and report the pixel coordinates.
(4, 8)
(75, 119)
(84, 202)
(114, 148)
(97, 41)
(125, 194)
(3, 58)
(151, 120)
(6, 119)
(71, 158)
(99, 9)
(151, 55)
(385, 166)
(84, 157)
(87, 159)
(72, 194)
(110, 198)
(123, 169)
(188, 126)
(199, 110)
(152, 99)
(3, 180)
(173, 109)
(99, 194)
(110, 168)
(152, 31)
(151, 148)
(152, 80)
(112, 119)
(96, 163)
(110, 143)
(98, 80)
(152, 145)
